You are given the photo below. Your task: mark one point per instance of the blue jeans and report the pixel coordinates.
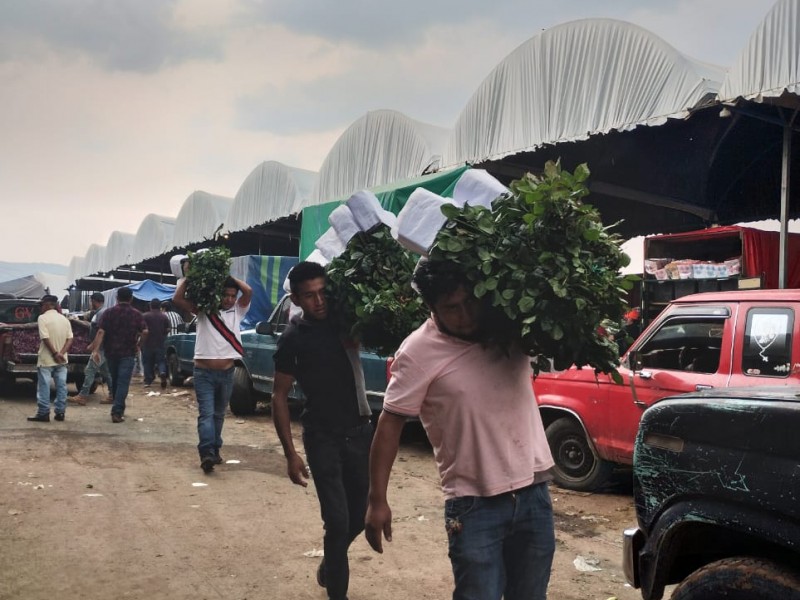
(152, 358)
(213, 391)
(339, 464)
(91, 371)
(59, 375)
(121, 371)
(501, 546)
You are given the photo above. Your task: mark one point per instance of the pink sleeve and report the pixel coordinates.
(407, 387)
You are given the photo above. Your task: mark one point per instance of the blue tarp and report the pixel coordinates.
(265, 274)
(143, 290)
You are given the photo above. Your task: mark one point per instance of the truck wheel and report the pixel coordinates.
(243, 398)
(174, 370)
(577, 466)
(740, 578)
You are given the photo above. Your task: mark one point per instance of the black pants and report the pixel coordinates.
(339, 464)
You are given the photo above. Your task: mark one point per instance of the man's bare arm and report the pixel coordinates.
(180, 300)
(385, 443)
(296, 468)
(247, 292)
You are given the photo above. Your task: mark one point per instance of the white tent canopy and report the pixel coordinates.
(201, 215)
(76, 269)
(379, 148)
(94, 260)
(770, 62)
(575, 80)
(271, 191)
(154, 237)
(119, 250)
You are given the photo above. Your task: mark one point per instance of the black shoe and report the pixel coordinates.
(59, 416)
(41, 418)
(207, 464)
(117, 418)
(321, 573)
(218, 460)
(163, 382)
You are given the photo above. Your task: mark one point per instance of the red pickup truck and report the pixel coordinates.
(712, 340)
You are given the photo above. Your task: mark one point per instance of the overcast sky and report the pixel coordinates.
(114, 109)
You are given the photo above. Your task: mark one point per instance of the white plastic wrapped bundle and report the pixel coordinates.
(175, 265)
(329, 244)
(420, 220)
(477, 188)
(341, 219)
(368, 212)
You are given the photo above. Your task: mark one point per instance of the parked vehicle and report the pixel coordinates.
(716, 491)
(713, 340)
(19, 342)
(254, 373)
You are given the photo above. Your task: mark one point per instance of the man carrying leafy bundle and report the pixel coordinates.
(336, 420)
(217, 346)
(476, 403)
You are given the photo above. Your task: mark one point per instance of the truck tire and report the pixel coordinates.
(174, 370)
(577, 467)
(740, 578)
(243, 398)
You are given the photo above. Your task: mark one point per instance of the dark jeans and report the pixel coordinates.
(339, 465)
(501, 546)
(153, 363)
(121, 369)
(212, 389)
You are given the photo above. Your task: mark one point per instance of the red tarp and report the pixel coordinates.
(760, 250)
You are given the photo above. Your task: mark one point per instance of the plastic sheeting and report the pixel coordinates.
(144, 290)
(154, 237)
(392, 197)
(381, 147)
(265, 274)
(94, 260)
(201, 215)
(119, 250)
(770, 62)
(271, 191)
(75, 270)
(575, 80)
(23, 287)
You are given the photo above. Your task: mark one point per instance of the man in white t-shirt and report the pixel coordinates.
(217, 345)
(476, 404)
(55, 335)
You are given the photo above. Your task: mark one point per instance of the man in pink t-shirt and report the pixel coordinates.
(476, 404)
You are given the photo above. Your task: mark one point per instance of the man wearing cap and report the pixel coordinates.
(93, 368)
(55, 333)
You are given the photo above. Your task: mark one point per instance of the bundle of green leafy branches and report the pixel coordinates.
(370, 294)
(206, 276)
(547, 267)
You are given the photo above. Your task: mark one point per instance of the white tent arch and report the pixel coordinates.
(75, 269)
(201, 215)
(154, 237)
(769, 64)
(271, 191)
(574, 80)
(119, 250)
(95, 260)
(381, 147)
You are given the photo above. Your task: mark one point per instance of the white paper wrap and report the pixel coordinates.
(420, 221)
(477, 188)
(329, 244)
(341, 219)
(368, 212)
(175, 265)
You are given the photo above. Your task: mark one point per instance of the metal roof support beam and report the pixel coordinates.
(618, 191)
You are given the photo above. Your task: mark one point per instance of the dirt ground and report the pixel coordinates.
(95, 510)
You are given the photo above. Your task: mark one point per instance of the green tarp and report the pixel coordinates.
(392, 197)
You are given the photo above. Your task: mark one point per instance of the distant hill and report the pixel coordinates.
(10, 270)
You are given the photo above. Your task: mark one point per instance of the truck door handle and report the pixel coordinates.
(645, 374)
(702, 386)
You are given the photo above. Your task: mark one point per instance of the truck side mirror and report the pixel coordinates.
(634, 361)
(265, 328)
